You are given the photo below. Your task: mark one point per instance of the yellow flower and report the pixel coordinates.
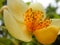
(20, 20)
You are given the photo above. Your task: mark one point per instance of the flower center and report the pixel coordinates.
(33, 20)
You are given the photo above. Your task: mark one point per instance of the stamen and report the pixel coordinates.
(33, 20)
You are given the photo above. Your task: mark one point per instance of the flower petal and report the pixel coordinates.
(56, 22)
(15, 28)
(17, 8)
(46, 35)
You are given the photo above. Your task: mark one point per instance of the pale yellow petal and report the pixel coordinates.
(15, 28)
(55, 22)
(17, 8)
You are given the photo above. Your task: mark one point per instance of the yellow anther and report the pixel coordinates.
(33, 20)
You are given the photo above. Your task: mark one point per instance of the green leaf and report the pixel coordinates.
(5, 41)
(28, 3)
(1, 3)
(1, 16)
(57, 1)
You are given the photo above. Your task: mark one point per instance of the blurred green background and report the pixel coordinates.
(7, 39)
